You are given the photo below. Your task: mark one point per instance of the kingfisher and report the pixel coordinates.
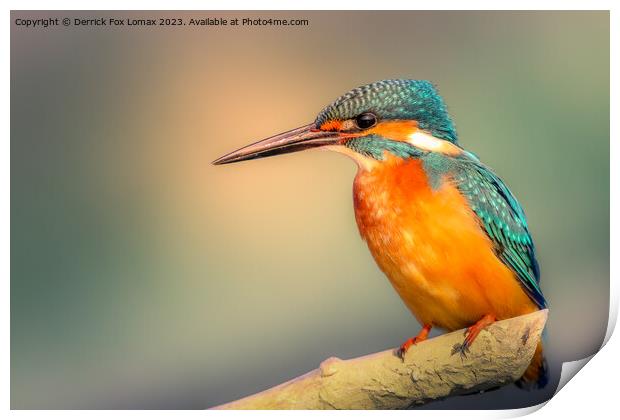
(442, 226)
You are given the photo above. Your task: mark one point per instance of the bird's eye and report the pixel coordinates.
(365, 120)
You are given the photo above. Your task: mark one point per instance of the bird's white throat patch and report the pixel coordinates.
(425, 141)
(364, 163)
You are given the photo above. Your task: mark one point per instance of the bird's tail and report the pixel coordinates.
(536, 376)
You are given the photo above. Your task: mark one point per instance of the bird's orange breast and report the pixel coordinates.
(430, 245)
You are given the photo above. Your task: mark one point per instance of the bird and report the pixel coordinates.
(441, 225)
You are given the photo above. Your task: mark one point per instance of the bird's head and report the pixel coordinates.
(404, 118)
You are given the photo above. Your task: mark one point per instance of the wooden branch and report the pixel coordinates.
(430, 371)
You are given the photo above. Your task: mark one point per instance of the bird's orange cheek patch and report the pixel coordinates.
(394, 130)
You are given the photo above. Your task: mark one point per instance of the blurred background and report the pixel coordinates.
(144, 277)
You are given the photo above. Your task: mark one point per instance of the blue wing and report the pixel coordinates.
(504, 221)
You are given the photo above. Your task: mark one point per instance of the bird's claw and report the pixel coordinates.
(402, 350)
(461, 349)
(470, 335)
(422, 335)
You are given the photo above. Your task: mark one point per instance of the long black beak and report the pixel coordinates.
(302, 138)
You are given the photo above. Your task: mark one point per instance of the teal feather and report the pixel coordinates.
(374, 146)
(503, 220)
(396, 99)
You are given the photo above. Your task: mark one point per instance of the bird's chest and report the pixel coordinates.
(398, 215)
(418, 235)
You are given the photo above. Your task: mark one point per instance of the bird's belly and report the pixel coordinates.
(432, 249)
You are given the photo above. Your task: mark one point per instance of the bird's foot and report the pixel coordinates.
(405, 346)
(460, 349)
(470, 335)
(422, 335)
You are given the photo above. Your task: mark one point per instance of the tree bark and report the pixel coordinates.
(431, 370)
